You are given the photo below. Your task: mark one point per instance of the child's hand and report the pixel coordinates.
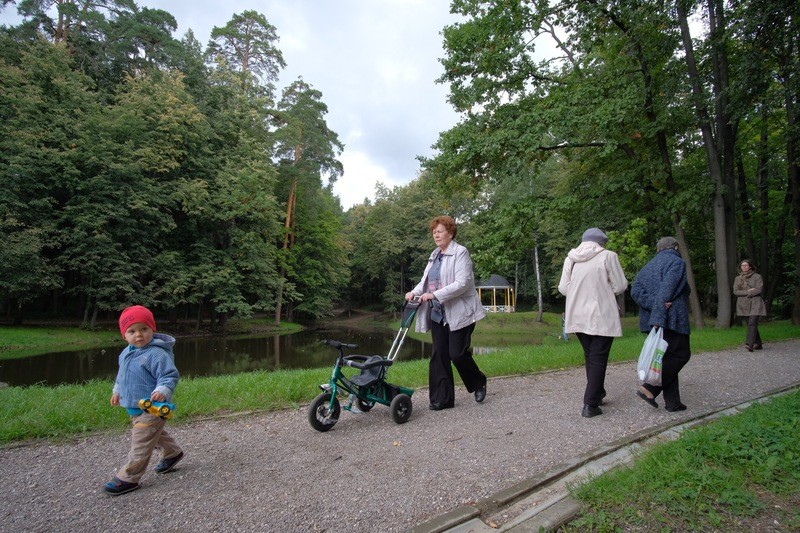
(115, 399)
(157, 396)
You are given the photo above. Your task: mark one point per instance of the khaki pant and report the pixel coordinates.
(147, 434)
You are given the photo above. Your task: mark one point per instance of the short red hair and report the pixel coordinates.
(446, 221)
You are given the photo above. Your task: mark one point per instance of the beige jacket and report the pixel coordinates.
(591, 279)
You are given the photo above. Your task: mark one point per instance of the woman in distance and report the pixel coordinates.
(747, 287)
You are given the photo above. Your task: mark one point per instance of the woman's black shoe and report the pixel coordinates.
(679, 407)
(645, 397)
(480, 394)
(589, 411)
(439, 406)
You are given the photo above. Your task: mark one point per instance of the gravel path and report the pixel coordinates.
(272, 472)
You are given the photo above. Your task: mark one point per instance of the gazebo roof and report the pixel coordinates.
(494, 282)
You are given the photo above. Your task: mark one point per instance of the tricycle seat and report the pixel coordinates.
(373, 369)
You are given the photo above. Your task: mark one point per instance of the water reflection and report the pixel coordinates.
(211, 356)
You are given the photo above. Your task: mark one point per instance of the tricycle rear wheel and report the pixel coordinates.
(364, 405)
(401, 408)
(320, 414)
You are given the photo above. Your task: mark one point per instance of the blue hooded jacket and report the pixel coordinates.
(144, 370)
(663, 280)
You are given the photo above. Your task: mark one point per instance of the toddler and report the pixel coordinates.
(146, 370)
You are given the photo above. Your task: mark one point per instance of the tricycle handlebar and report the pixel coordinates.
(339, 345)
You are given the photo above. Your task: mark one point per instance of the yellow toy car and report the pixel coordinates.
(159, 409)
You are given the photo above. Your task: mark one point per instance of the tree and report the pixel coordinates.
(248, 43)
(120, 209)
(306, 150)
(45, 107)
(26, 271)
(769, 31)
(231, 216)
(610, 115)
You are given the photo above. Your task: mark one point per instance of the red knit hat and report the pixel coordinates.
(134, 315)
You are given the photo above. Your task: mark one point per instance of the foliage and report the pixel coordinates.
(579, 115)
(138, 167)
(137, 170)
(248, 42)
(391, 242)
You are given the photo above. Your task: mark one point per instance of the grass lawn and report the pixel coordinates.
(739, 473)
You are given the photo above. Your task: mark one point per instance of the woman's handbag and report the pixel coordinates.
(651, 357)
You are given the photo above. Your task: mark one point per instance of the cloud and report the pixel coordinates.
(360, 177)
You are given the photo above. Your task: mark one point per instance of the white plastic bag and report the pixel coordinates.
(651, 357)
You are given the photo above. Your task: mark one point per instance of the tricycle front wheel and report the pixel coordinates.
(401, 408)
(321, 415)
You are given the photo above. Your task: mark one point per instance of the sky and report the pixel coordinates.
(375, 63)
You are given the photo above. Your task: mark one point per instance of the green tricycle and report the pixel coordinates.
(366, 388)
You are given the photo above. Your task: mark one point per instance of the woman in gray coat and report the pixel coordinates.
(749, 304)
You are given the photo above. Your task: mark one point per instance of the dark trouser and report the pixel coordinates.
(595, 352)
(753, 337)
(676, 356)
(452, 346)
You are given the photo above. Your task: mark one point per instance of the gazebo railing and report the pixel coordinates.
(498, 308)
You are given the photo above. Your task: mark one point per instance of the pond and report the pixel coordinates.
(211, 356)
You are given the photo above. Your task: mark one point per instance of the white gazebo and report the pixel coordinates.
(502, 295)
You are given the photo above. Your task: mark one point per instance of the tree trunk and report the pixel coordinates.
(794, 184)
(287, 226)
(279, 297)
(286, 243)
(724, 308)
(539, 300)
(762, 187)
(694, 298)
(18, 314)
(86, 312)
(726, 129)
(775, 274)
(744, 201)
(666, 161)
